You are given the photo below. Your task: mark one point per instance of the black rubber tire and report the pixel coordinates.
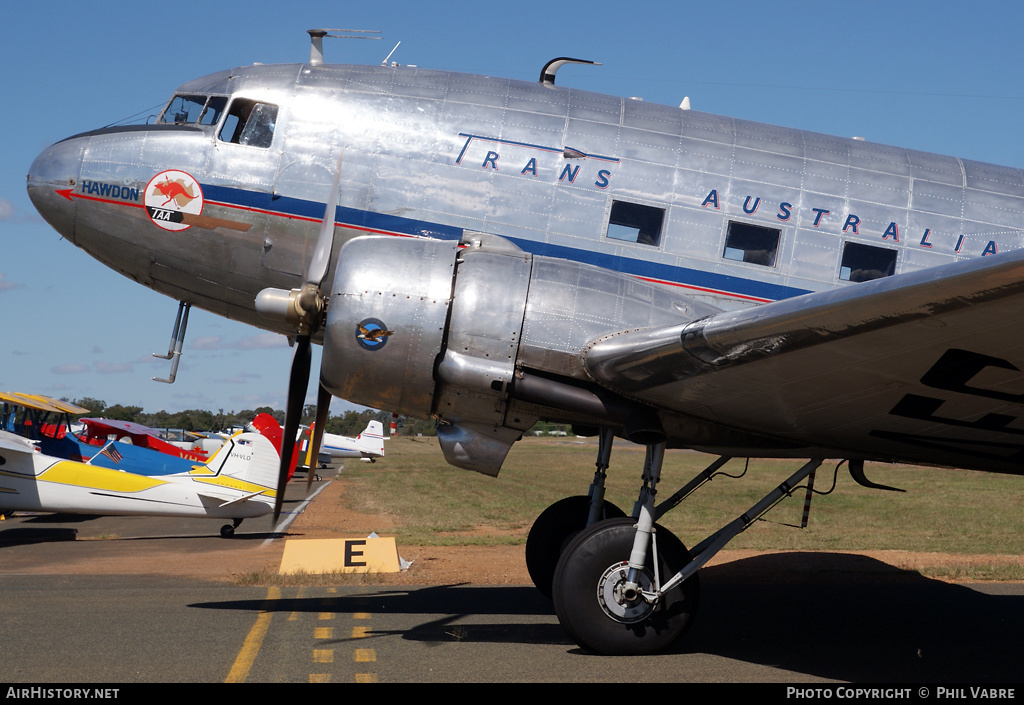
(551, 533)
(601, 550)
(227, 531)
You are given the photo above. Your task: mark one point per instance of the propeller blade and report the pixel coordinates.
(323, 407)
(317, 269)
(297, 383)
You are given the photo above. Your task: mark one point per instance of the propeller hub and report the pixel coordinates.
(302, 308)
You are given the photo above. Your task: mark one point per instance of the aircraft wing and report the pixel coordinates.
(117, 426)
(40, 402)
(920, 367)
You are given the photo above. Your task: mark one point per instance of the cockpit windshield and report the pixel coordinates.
(194, 110)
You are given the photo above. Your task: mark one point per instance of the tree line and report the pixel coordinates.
(349, 423)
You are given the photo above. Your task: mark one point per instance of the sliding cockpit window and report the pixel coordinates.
(194, 110)
(249, 122)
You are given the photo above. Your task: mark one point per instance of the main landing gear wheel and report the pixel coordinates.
(589, 600)
(551, 533)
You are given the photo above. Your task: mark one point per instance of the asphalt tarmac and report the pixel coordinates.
(856, 620)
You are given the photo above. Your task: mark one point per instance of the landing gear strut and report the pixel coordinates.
(627, 585)
(562, 521)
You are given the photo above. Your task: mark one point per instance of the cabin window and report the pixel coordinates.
(194, 109)
(862, 263)
(752, 243)
(632, 222)
(249, 122)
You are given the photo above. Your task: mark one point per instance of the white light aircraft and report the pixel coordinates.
(238, 482)
(489, 252)
(368, 445)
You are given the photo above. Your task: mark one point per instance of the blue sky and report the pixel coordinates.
(936, 76)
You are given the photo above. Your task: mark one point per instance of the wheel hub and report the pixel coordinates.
(614, 600)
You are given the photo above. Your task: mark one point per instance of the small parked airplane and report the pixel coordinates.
(239, 481)
(489, 252)
(368, 445)
(110, 443)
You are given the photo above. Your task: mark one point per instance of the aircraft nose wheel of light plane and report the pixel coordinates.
(551, 533)
(598, 607)
(228, 530)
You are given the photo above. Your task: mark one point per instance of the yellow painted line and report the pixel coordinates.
(360, 615)
(366, 678)
(323, 633)
(319, 677)
(360, 632)
(251, 647)
(326, 615)
(323, 655)
(365, 656)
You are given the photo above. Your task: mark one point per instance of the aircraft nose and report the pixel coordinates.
(51, 181)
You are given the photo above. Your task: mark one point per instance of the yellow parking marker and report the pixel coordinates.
(365, 655)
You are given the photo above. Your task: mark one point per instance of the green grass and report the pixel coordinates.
(943, 511)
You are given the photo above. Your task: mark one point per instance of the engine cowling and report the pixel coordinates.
(485, 338)
(404, 333)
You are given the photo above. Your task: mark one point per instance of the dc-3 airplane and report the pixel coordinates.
(239, 481)
(491, 252)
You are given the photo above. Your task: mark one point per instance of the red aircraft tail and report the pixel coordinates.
(268, 426)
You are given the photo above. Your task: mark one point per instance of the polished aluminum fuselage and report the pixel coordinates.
(432, 153)
(456, 157)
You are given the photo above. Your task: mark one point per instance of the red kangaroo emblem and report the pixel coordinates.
(174, 191)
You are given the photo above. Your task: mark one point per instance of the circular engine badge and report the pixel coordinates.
(372, 334)
(171, 197)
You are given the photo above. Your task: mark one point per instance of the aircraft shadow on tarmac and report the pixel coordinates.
(35, 529)
(47, 528)
(835, 616)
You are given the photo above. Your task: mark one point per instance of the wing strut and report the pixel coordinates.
(177, 340)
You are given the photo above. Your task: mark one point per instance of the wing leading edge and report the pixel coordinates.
(921, 367)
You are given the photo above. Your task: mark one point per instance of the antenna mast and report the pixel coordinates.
(316, 41)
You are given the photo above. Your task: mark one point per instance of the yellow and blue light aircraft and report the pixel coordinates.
(238, 482)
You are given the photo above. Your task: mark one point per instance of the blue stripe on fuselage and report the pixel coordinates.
(356, 218)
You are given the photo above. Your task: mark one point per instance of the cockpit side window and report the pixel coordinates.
(194, 109)
(249, 122)
(184, 109)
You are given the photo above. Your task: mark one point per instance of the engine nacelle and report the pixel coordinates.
(386, 321)
(485, 338)
(404, 333)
